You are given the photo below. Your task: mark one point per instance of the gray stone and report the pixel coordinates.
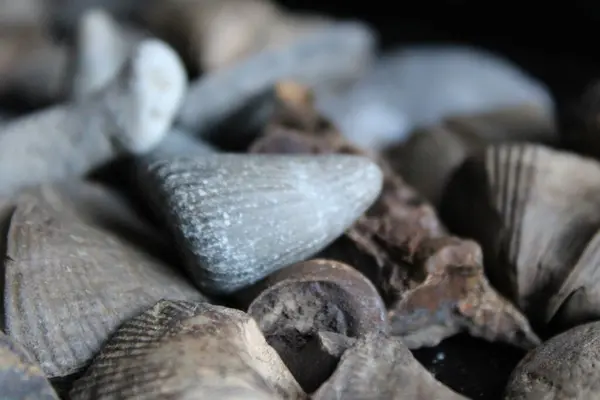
(80, 263)
(328, 59)
(418, 86)
(237, 218)
(131, 115)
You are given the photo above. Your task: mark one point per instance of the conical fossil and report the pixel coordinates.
(238, 218)
(380, 367)
(20, 377)
(430, 155)
(184, 350)
(563, 368)
(534, 210)
(102, 49)
(75, 269)
(434, 283)
(131, 115)
(294, 304)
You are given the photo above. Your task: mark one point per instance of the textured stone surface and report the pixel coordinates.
(131, 115)
(238, 218)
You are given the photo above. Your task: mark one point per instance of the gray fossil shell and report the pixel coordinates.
(565, 367)
(184, 350)
(74, 273)
(533, 210)
(20, 377)
(238, 218)
(380, 367)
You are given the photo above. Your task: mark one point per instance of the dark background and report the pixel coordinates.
(556, 42)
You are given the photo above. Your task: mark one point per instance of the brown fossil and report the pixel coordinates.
(294, 304)
(380, 367)
(77, 264)
(401, 245)
(186, 350)
(565, 367)
(20, 377)
(214, 34)
(535, 212)
(430, 155)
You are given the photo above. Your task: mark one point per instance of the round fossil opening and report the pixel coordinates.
(291, 315)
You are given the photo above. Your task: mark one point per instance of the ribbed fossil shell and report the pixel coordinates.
(184, 350)
(563, 368)
(295, 303)
(534, 210)
(20, 377)
(380, 367)
(239, 218)
(78, 264)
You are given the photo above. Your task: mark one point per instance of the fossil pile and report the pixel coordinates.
(223, 199)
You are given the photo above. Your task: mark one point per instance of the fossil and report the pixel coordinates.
(382, 367)
(239, 217)
(79, 263)
(328, 59)
(185, 350)
(296, 303)
(215, 34)
(434, 283)
(430, 155)
(131, 115)
(102, 49)
(564, 367)
(534, 211)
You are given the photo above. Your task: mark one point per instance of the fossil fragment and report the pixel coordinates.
(380, 367)
(131, 115)
(239, 217)
(430, 155)
(327, 59)
(102, 49)
(185, 350)
(79, 263)
(294, 304)
(433, 282)
(534, 210)
(218, 33)
(20, 377)
(420, 85)
(565, 367)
